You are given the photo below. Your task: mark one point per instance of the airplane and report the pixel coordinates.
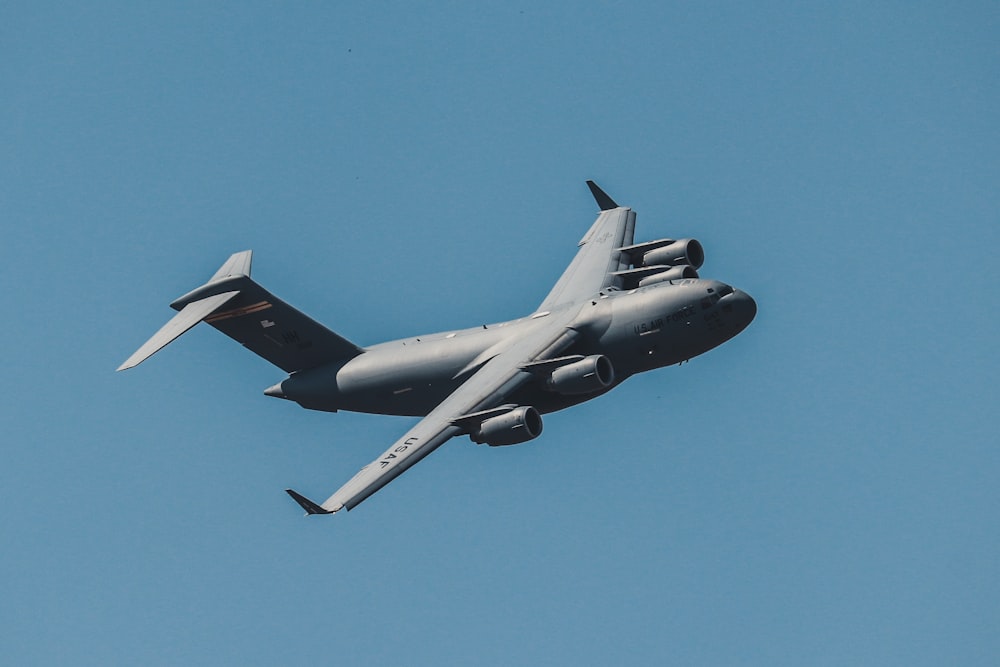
(619, 308)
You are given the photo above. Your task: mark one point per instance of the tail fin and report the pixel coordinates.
(237, 265)
(246, 312)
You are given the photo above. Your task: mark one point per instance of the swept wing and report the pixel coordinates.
(598, 259)
(488, 388)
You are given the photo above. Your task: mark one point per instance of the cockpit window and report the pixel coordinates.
(713, 296)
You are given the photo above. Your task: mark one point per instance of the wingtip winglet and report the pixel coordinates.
(603, 200)
(309, 506)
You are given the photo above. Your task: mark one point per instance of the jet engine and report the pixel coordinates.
(682, 251)
(590, 374)
(673, 273)
(511, 428)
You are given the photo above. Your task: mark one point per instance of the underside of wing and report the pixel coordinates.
(480, 398)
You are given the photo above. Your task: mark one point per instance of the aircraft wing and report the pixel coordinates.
(488, 388)
(599, 257)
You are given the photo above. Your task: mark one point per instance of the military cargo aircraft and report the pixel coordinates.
(620, 308)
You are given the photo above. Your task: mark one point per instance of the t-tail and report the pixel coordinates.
(243, 310)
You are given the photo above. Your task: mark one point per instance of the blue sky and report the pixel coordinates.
(821, 490)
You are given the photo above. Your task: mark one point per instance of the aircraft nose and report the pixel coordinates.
(744, 307)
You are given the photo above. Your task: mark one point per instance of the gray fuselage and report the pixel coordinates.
(637, 330)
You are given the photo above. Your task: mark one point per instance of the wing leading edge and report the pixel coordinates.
(593, 268)
(599, 256)
(487, 389)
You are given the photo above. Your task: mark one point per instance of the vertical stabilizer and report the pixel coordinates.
(237, 265)
(246, 312)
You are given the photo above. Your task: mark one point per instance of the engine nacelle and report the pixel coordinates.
(683, 251)
(511, 428)
(674, 273)
(588, 375)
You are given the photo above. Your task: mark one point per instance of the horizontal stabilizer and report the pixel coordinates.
(309, 506)
(255, 318)
(189, 316)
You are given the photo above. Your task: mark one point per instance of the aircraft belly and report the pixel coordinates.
(409, 381)
(407, 378)
(664, 326)
(637, 332)
(619, 308)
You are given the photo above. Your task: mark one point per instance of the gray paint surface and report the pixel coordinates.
(459, 380)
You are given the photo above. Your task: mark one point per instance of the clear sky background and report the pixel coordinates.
(822, 490)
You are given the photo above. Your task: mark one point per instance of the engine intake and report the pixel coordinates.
(511, 428)
(683, 251)
(590, 374)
